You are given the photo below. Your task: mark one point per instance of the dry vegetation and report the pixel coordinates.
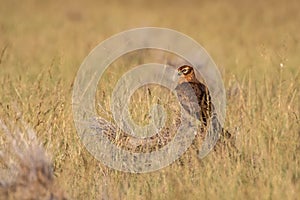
(256, 46)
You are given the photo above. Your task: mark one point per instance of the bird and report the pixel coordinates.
(195, 98)
(193, 95)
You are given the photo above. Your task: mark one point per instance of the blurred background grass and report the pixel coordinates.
(256, 46)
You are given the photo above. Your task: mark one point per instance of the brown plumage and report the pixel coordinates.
(193, 95)
(195, 98)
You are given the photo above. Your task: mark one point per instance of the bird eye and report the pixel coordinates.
(185, 71)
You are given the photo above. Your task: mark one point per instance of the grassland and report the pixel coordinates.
(256, 46)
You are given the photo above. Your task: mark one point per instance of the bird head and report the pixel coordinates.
(186, 74)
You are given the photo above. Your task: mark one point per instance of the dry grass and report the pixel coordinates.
(256, 46)
(26, 170)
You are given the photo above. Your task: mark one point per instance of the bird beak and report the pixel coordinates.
(179, 73)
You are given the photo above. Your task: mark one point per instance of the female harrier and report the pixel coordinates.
(193, 95)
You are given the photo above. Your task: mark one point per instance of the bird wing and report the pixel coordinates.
(195, 99)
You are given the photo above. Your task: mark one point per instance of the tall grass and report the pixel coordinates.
(26, 170)
(255, 45)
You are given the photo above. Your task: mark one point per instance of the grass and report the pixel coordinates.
(256, 46)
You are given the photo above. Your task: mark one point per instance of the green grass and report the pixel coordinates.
(44, 43)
